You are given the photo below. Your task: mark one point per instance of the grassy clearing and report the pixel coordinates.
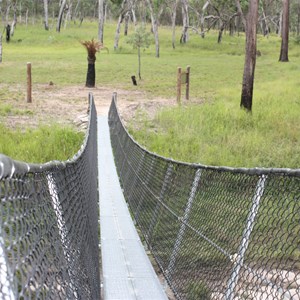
(40, 145)
(215, 132)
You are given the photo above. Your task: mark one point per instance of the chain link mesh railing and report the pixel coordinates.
(49, 235)
(215, 232)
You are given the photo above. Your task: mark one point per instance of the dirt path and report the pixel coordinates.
(65, 105)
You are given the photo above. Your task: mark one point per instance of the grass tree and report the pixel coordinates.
(92, 48)
(140, 39)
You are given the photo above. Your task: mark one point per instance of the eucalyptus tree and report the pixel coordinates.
(46, 15)
(125, 7)
(156, 9)
(60, 14)
(100, 20)
(250, 24)
(211, 12)
(224, 12)
(154, 14)
(298, 18)
(285, 32)
(185, 21)
(173, 20)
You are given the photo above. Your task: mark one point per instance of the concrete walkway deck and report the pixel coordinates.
(127, 271)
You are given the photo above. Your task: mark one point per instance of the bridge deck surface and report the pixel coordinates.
(127, 271)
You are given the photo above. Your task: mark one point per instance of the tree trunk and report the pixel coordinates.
(20, 11)
(139, 56)
(0, 47)
(68, 16)
(265, 26)
(101, 20)
(46, 22)
(202, 18)
(174, 9)
(7, 13)
(185, 20)
(133, 16)
(222, 26)
(117, 35)
(76, 9)
(298, 18)
(280, 24)
(91, 74)
(154, 27)
(120, 20)
(285, 32)
(7, 33)
(127, 16)
(250, 56)
(60, 15)
(14, 22)
(26, 17)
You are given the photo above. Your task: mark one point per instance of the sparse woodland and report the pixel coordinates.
(242, 54)
(235, 16)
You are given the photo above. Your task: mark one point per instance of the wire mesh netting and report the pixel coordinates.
(49, 235)
(215, 232)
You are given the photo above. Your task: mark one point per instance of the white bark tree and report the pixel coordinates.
(14, 22)
(0, 47)
(46, 22)
(101, 20)
(185, 21)
(173, 18)
(60, 14)
(154, 22)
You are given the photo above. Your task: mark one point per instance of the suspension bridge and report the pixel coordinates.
(87, 228)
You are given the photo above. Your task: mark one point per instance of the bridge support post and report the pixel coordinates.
(238, 261)
(185, 219)
(155, 214)
(137, 212)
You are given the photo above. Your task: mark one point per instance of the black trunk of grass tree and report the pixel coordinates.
(92, 48)
(91, 73)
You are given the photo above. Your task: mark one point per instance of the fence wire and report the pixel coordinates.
(49, 226)
(215, 232)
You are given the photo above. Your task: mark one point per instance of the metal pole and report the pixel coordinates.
(131, 189)
(239, 259)
(155, 213)
(6, 276)
(137, 212)
(183, 224)
(63, 234)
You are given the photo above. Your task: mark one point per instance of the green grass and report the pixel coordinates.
(214, 131)
(40, 145)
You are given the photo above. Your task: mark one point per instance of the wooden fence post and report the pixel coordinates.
(29, 94)
(179, 85)
(187, 92)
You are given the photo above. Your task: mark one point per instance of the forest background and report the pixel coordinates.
(207, 35)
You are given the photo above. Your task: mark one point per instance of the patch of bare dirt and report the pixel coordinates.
(68, 105)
